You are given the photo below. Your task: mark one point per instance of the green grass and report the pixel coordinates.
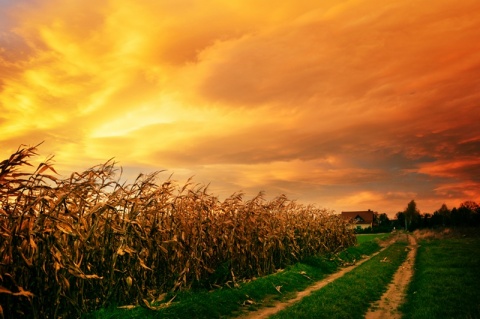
(351, 295)
(226, 302)
(369, 237)
(446, 283)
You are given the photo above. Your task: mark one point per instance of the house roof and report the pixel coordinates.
(362, 217)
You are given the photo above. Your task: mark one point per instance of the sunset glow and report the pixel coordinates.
(349, 105)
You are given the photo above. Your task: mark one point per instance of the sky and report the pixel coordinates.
(347, 105)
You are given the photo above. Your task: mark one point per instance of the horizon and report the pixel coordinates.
(345, 105)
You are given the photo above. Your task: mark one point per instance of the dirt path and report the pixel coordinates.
(266, 312)
(388, 305)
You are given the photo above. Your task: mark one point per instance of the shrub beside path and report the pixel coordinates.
(266, 312)
(388, 305)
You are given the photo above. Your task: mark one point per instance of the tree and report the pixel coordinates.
(467, 213)
(445, 213)
(383, 219)
(455, 217)
(411, 214)
(382, 223)
(470, 206)
(426, 220)
(400, 217)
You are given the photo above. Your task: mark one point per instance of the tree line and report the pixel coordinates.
(466, 215)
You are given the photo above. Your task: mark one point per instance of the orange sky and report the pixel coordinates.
(349, 105)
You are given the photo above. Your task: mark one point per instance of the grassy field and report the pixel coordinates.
(446, 279)
(226, 302)
(351, 295)
(445, 285)
(369, 237)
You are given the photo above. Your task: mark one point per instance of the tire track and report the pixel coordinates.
(266, 312)
(387, 306)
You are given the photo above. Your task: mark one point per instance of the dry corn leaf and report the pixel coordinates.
(142, 263)
(21, 292)
(65, 228)
(127, 307)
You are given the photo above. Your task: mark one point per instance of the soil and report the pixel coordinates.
(388, 305)
(266, 312)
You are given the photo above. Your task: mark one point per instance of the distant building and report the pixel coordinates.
(360, 219)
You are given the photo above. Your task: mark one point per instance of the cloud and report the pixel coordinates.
(345, 59)
(466, 167)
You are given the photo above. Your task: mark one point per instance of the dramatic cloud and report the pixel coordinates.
(346, 104)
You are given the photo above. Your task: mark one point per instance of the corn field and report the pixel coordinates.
(70, 246)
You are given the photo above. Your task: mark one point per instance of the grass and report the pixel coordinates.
(351, 295)
(369, 237)
(446, 280)
(226, 302)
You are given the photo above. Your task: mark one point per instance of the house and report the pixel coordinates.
(360, 219)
